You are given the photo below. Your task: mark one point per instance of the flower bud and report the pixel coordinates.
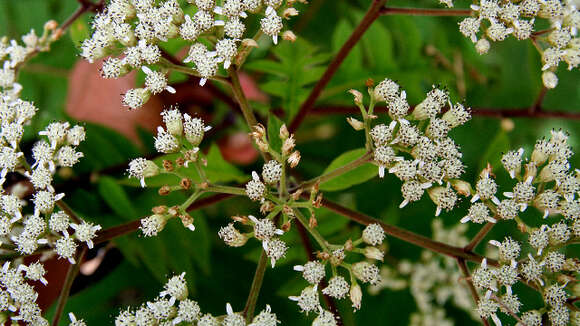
(288, 145)
(355, 296)
(549, 79)
(289, 36)
(462, 187)
(187, 221)
(290, 12)
(374, 253)
(355, 124)
(358, 97)
(262, 145)
(284, 133)
(294, 159)
(249, 43)
(482, 46)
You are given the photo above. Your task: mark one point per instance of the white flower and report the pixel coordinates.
(85, 232)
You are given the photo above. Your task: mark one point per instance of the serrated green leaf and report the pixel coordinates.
(298, 66)
(356, 176)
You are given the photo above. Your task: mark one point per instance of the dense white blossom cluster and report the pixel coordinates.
(173, 307)
(432, 280)
(40, 229)
(494, 20)
(415, 146)
(547, 182)
(138, 29)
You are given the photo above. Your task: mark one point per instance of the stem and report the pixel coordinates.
(190, 71)
(479, 236)
(123, 229)
(72, 272)
(190, 200)
(408, 236)
(424, 12)
(244, 104)
(241, 98)
(315, 234)
(86, 6)
(338, 171)
(371, 15)
(465, 270)
(226, 190)
(255, 288)
(520, 322)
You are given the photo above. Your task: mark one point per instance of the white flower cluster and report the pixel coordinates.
(173, 307)
(338, 287)
(17, 296)
(45, 226)
(182, 134)
(432, 280)
(496, 20)
(415, 145)
(23, 232)
(139, 26)
(547, 183)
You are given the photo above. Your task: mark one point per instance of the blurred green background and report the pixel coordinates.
(394, 47)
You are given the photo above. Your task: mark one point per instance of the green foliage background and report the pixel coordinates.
(393, 47)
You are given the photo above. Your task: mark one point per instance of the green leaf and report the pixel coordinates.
(116, 197)
(219, 170)
(298, 65)
(274, 125)
(356, 176)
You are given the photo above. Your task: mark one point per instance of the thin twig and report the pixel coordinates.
(424, 11)
(248, 312)
(120, 230)
(479, 236)
(407, 236)
(537, 106)
(506, 308)
(85, 6)
(72, 272)
(371, 15)
(244, 104)
(465, 270)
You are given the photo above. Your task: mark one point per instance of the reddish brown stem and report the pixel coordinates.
(120, 230)
(407, 236)
(71, 274)
(424, 12)
(465, 270)
(479, 236)
(85, 7)
(537, 106)
(371, 15)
